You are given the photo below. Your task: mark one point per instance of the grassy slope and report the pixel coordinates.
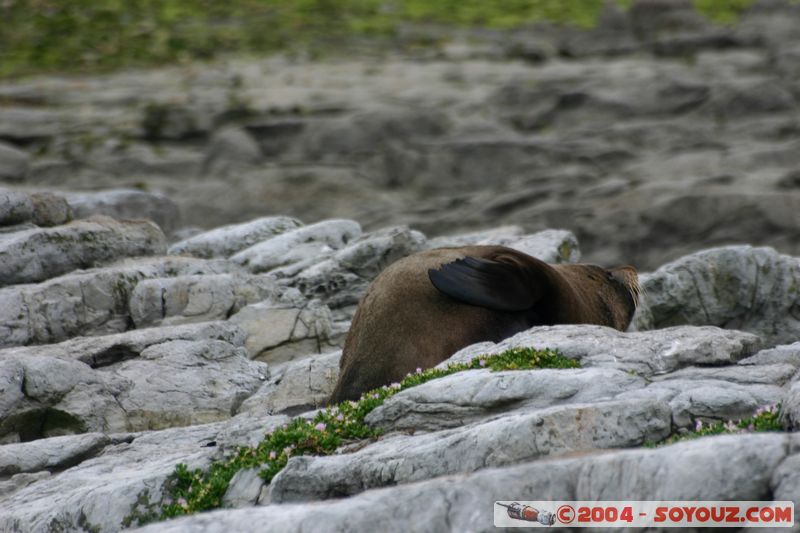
(90, 35)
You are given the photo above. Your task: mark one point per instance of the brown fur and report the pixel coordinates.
(404, 322)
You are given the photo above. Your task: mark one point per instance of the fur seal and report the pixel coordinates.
(425, 307)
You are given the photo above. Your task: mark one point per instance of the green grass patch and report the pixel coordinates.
(764, 419)
(90, 35)
(722, 12)
(191, 491)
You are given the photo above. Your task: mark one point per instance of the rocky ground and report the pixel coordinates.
(124, 356)
(182, 250)
(651, 136)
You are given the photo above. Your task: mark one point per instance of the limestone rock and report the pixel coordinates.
(342, 279)
(50, 209)
(791, 406)
(180, 383)
(551, 246)
(736, 287)
(227, 240)
(107, 350)
(91, 302)
(39, 254)
(502, 235)
(785, 482)
(15, 207)
(517, 437)
(14, 163)
(468, 396)
(46, 395)
(185, 299)
(50, 454)
(230, 149)
(126, 204)
(709, 399)
(743, 466)
(786, 353)
(277, 332)
(297, 386)
(124, 483)
(42, 209)
(646, 353)
(244, 488)
(300, 245)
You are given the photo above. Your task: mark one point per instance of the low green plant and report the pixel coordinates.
(196, 490)
(764, 419)
(722, 12)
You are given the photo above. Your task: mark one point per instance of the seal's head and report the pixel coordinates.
(608, 297)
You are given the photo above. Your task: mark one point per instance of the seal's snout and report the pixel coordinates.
(629, 278)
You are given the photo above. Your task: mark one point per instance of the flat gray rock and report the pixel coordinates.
(279, 332)
(50, 209)
(109, 491)
(230, 149)
(735, 287)
(50, 454)
(513, 438)
(465, 502)
(198, 298)
(126, 204)
(296, 386)
(342, 279)
(551, 246)
(709, 399)
(227, 240)
(42, 208)
(298, 245)
(471, 395)
(14, 163)
(39, 254)
(106, 350)
(784, 354)
(44, 395)
(646, 353)
(15, 207)
(791, 405)
(90, 302)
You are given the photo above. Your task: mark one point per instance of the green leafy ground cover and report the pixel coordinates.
(191, 491)
(89, 35)
(764, 419)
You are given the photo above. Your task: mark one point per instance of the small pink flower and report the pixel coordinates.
(340, 417)
(394, 385)
(482, 362)
(419, 370)
(321, 426)
(287, 451)
(183, 503)
(750, 427)
(272, 454)
(698, 425)
(352, 403)
(730, 426)
(376, 395)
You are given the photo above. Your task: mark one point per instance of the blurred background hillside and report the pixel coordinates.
(650, 128)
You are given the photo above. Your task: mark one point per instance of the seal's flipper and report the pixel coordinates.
(502, 285)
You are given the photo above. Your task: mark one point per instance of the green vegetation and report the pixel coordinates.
(87, 35)
(722, 12)
(764, 419)
(191, 491)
